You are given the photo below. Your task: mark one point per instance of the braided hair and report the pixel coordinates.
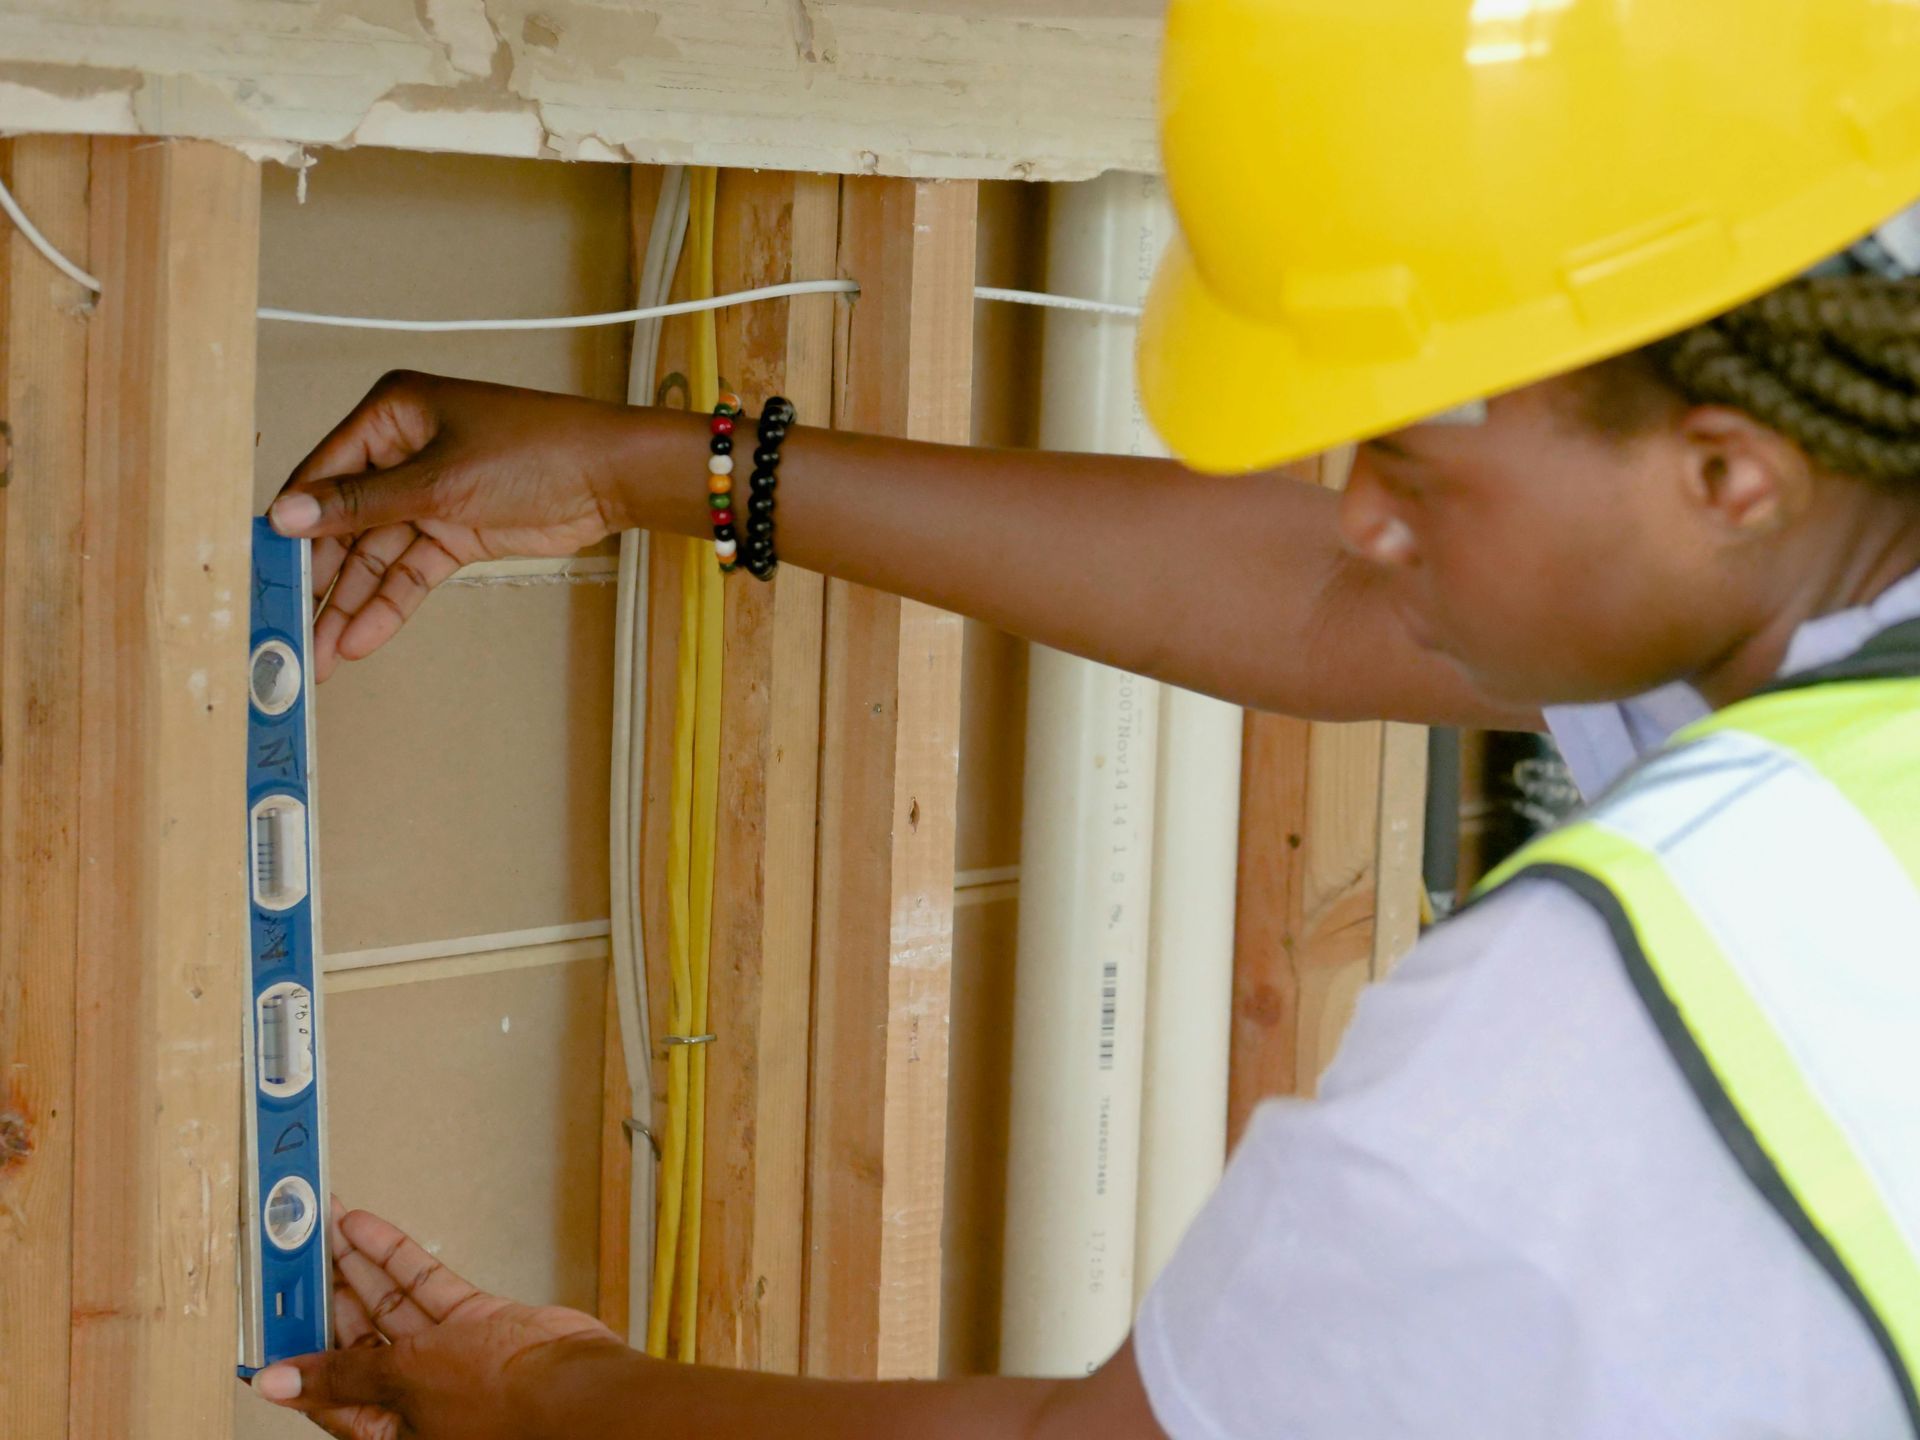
(1833, 364)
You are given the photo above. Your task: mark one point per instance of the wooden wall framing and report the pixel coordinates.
(903, 365)
(822, 1210)
(123, 640)
(127, 485)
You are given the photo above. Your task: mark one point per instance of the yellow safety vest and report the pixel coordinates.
(1761, 875)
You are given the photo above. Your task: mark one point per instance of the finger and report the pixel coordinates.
(361, 575)
(393, 422)
(352, 1325)
(335, 1379)
(389, 1306)
(356, 502)
(434, 1288)
(367, 561)
(327, 629)
(409, 580)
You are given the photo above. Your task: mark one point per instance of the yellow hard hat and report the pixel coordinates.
(1390, 207)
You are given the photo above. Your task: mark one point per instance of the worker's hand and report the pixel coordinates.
(428, 474)
(425, 1356)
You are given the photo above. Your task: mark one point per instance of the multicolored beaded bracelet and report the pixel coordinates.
(774, 420)
(726, 541)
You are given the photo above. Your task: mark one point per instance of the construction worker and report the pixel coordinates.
(1631, 1148)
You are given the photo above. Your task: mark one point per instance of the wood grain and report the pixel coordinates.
(43, 388)
(760, 998)
(1403, 802)
(889, 748)
(175, 240)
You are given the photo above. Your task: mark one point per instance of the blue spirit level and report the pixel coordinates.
(285, 1285)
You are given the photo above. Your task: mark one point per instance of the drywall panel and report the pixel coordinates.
(468, 1112)
(384, 233)
(938, 88)
(463, 768)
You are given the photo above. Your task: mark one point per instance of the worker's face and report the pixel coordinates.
(1551, 562)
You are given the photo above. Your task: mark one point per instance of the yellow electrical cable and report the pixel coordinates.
(673, 1150)
(705, 385)
(692, 839)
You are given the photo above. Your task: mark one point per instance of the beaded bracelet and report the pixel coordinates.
(774, 420)
(726, 545)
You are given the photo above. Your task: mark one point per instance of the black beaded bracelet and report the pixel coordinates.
(757, 549)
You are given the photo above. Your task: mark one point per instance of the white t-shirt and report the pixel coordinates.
(1507, 1217)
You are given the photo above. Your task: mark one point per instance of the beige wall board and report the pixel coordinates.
(462, 770)
(385, 233)
(468, 1112)
(964, 89)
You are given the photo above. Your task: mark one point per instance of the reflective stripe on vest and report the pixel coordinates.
(1762, 878)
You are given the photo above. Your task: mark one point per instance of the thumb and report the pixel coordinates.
(361, 1375)
(349, 504)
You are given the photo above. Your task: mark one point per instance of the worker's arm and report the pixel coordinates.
(429, 1356)
(1236, 586)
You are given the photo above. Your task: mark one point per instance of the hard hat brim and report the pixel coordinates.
(1231, 392)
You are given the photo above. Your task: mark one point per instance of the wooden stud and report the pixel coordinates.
(43, 388)
(769, 227)
(1403, 801)
(165, 595)
(791, 770)
(889, 748)
(1329, 868)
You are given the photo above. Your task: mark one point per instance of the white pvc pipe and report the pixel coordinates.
(1086, 861)
(1125, 966)
(1196, 854)
(1079, 1013)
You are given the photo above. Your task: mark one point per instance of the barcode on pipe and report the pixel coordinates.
(1109, 1010)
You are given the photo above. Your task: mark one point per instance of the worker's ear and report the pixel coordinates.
(1747, 477)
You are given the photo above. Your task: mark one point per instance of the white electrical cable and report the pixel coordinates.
(571, 322)
(1056, 302)
(42, 244)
